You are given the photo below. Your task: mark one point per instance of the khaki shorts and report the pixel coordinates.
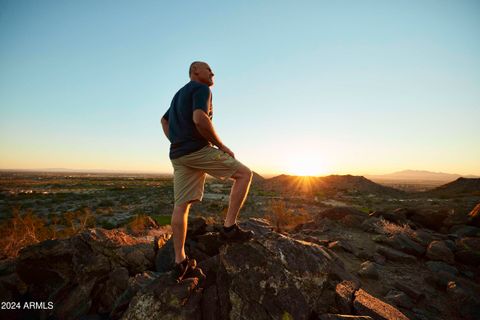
(189, 172)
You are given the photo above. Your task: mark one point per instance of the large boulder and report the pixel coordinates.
(439, 250)
(85, 272)
(404, 243)
(465, 231)
(276, 276)
(367, 305)
(270, 276)
(395, 255)
(468, 250)
(431, 218)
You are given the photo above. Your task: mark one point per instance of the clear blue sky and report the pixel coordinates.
(361, 87)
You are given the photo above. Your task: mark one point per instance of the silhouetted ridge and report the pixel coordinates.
(332, 183)
(465, 186)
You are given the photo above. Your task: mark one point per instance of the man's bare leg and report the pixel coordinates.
(179, 228)
(238, 194)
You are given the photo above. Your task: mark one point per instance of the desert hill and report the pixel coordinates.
(328, 184)
(256, 178)
(461, 186)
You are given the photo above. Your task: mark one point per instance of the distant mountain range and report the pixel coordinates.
(419, 175)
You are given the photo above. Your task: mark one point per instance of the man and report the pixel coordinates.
(188, 126)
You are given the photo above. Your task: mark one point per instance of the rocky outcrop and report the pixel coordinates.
(324, 269)
(109, 273)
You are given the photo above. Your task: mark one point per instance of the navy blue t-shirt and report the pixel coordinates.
(182, 132)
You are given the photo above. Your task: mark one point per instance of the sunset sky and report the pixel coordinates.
(302, 87)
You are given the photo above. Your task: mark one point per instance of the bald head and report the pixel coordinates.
(194, 66)
(200, 71)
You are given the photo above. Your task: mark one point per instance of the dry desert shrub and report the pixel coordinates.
(390, 228)
(284, 219)
(21, 230)
(24, 229)
(140, 223)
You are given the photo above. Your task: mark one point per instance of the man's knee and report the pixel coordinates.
(243, 172)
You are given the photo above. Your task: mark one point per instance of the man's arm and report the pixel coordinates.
(205, 127)
(165, 127)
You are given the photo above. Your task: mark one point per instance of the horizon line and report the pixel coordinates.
(105, 171)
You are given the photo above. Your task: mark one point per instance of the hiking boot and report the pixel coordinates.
(184, 269)
(236, 234)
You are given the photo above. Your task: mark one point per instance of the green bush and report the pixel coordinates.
(162, 220)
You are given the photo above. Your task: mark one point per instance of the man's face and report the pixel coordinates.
(204, 74)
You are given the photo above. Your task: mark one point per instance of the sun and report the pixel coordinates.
(306, 166)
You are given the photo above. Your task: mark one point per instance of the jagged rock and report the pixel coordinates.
(164, 296)
(399, 299)
(405, 212)
(424, 236)
(367, 305)
(196, 226)
(344, 295)
(11, 287)
(312, 239)
(466, 301)
(330, 316)
(209, 243)
(430, 218)
(210, 304)
(437, 266)
(260, 226)
(465, 231)
(451, 245)
(135, 283)
(442, 273)
(421, 314)
(275, 276)
(379, 259)
(352, 221)
(412, 292)
(396, 255)
(165, 258)
(468, 251)
(370, 225)
(363, 254)
(106, 293)
(337, 213)
(403, 243)
(438, 250)
(270, 276)
(368, 270)
(455, 217)
(342, 245)
(474, 216)
(7, 266)
(397, 217)
(66, 271)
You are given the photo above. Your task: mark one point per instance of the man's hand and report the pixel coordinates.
(225, 149)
